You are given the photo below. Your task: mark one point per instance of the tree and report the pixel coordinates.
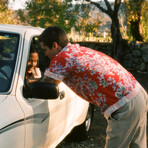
(3, 5)
(86, 25)
(136, 13)
(119, 44)
(43, 13)
(145, 21)
(134, 18)
(8, 16)
(69, 16)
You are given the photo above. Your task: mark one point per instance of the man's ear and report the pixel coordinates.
(57, 47)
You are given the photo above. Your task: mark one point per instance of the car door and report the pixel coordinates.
(45, 120)
(12, 129)
(12, 123)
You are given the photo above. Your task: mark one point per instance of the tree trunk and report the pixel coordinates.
(119, 45)
(135, 18)
(136, 30)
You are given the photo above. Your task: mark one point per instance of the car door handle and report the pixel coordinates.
(62, 95)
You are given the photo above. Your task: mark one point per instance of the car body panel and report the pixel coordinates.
(13, 126)
(31, 122)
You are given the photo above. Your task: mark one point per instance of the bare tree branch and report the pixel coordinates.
(108, 12)
(117, 6)
(108, 6)
(117, 40)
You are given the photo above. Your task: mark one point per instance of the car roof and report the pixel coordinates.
(19, 28)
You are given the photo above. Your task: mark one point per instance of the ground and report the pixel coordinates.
(97, 133)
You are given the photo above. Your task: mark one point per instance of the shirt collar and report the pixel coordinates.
(69, 44)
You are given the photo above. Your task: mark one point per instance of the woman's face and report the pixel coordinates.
(33, 60)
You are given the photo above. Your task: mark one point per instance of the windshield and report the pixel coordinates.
(8, 51)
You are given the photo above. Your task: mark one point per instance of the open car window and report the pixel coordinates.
(43, 61)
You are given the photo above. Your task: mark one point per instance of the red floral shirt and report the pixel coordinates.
(94, 76)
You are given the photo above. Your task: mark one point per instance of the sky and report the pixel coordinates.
(17, 4)
(20, 4)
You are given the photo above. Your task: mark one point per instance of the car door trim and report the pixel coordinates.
(37, 118)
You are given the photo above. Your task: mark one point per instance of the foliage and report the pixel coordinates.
(42, 13)
(145, 20)
(77, 17)
(136, 13)
(3, 5)
(112, 12)
(88, 25)
(7, 16)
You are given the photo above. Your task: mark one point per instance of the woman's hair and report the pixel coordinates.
(53, 34)
(33, 49)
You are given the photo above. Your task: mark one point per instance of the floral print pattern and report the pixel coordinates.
(92, 75)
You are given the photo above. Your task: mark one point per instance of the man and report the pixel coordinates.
(103, 82)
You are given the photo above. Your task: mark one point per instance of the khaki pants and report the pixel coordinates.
(128, 125)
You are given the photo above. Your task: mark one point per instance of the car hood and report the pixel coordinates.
(2, 98)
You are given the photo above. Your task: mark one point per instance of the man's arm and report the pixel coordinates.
(50, 80)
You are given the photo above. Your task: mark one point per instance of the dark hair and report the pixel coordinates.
(53, 34)
(33, 49)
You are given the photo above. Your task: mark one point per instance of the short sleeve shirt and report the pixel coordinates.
(93, 76)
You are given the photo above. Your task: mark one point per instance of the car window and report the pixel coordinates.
(8, 52)
(43, 62)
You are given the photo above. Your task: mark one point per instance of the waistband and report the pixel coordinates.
(122, 102)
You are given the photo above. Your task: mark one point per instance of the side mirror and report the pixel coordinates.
(43, 90)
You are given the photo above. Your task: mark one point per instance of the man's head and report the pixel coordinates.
(52, 40)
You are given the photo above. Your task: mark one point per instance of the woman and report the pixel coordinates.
(33, 72)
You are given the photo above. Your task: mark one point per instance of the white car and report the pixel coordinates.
(42, 115)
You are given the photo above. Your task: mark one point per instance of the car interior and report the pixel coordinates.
(8, 52)
(43, 61)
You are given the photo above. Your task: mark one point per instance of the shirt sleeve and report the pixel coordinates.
(53, 75)
(58, 68)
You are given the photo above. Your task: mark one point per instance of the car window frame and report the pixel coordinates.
(15, 62)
